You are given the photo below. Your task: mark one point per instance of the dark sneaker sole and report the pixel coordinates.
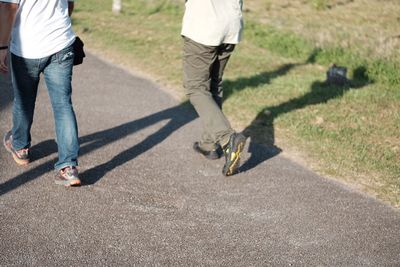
(207, 154)
(231, 168)
(21, 162)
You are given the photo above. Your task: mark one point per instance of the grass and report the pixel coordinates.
(274, 83)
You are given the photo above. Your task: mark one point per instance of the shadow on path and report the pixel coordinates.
(261, 129)
(178, 116)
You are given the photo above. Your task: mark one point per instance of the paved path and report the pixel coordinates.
(148, 199)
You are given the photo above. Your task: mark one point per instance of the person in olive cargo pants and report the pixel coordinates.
(210, 30)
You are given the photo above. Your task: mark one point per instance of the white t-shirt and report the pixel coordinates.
(213, 22)
(42, 28)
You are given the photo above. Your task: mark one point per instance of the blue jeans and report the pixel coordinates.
(57, 70)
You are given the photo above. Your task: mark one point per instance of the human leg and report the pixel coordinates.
(58, 76)
(224, 52)
(233, 147)
(197, 64)
(25, 76)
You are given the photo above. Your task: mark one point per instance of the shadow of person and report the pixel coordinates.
(177, 117)
(260, 150)
(262, 142)
(42, 150)
(232, 87)
(261, 130)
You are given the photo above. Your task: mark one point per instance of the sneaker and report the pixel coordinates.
(232, 153)
(209, 154)
(21, 156)
(68, 176)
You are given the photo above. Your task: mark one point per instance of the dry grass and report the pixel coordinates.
(371, 27)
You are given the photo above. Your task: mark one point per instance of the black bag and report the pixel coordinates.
(78, 51)
(336, 75)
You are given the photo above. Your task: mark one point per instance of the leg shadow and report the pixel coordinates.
(43, 149)
(259, 154)
(261, 130)
(177, 116)
(91, 176)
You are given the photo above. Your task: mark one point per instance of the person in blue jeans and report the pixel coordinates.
(40, 39)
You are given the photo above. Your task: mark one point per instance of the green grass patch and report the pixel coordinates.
(293, 46)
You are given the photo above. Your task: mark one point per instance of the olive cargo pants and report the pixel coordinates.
(203, 68)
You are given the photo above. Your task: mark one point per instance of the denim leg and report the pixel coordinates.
(58, 76)
(25, 79)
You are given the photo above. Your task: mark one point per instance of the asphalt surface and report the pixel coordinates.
(148, 199)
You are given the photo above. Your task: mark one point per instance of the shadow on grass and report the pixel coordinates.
(261, 130)
(177, 117)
